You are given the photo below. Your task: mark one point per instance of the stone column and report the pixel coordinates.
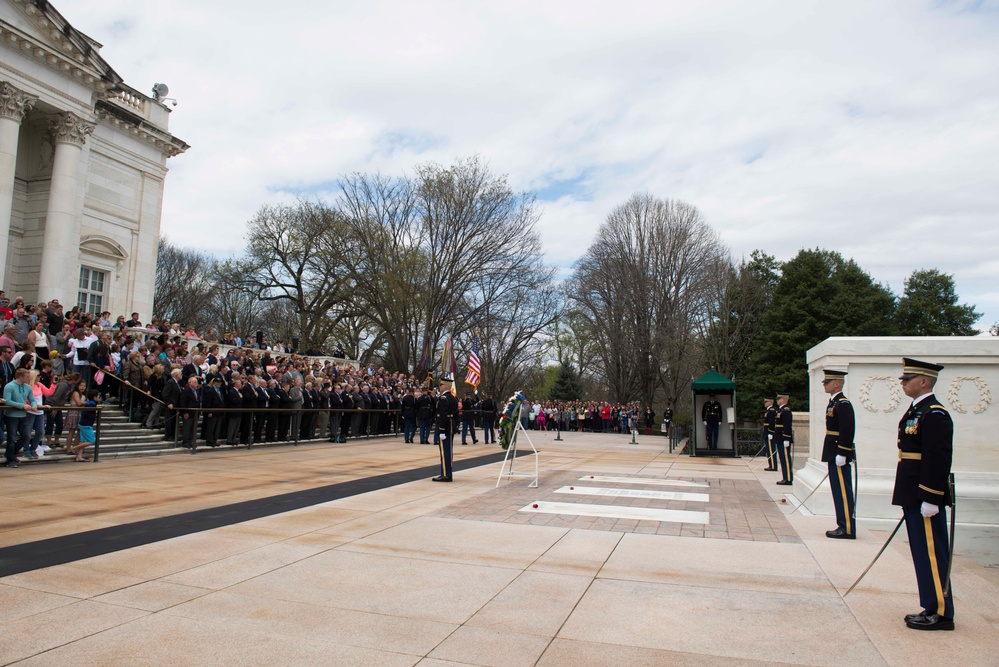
(14, 104)
(60, 264)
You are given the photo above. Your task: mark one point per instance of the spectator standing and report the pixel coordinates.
(88, 417)
(171, 398)
(190, 401)
(19, 398)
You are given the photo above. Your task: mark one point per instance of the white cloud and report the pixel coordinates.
(863, 127)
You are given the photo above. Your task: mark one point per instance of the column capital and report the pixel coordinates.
(68, 128)
(14, 102)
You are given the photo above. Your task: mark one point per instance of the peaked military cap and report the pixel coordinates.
(829, 375)
(783, 394)
(913, 367)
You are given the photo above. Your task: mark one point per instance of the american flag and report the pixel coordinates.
(474, 367)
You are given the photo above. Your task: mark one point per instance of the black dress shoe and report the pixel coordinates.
(440, 478)
(931, 622)
(771, 469)
(782, 483)
(840, 534)
(912, 617)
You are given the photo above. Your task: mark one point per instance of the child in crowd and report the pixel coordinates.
(87, 420)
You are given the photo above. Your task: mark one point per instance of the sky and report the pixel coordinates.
(866, 127)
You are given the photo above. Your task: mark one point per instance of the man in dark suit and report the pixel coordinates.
(408, 416)
(922, 490)
(447, 414)
(336, 405)
(468, 419)
(784, 435)
(212, 400)
(249, 393)
(838, 453)
(424, 413)
(273, 403)
(171, 396)
(488, 408)
(234, 406)
(190, 401)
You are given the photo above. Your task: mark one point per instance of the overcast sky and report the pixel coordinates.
(870, 128)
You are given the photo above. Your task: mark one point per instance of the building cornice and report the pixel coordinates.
(132, 123)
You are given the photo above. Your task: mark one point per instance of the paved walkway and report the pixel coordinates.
(632, 557)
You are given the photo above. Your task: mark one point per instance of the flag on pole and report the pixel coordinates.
(427, 359)
(448, 365)
(474, 367)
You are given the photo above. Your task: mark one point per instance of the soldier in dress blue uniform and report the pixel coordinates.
(925, 449)
(784, 435)
(769, 429)
(711, 414)
(447, 413)
(838, 452)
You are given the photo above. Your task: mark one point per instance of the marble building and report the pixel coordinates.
(82, 167)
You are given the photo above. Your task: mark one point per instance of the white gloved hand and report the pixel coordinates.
(705, 423)
(769, 437)
(787, 443)
(840, 461)
(929, 509)
(443, 436)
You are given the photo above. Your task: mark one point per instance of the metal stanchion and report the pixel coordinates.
(97, 436)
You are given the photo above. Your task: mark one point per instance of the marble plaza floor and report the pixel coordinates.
(633, 556)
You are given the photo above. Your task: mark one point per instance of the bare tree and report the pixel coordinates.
(642, 286)
(183, 285)
(435, 250)
(299, 254)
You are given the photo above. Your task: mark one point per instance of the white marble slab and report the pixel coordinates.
(618, 512)
(644, 480)
(634, 493)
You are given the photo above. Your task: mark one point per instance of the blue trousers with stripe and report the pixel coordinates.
(929, 545)
(841, 483)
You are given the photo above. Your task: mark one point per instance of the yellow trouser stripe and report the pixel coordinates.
(440, 446)
(783, 453)
(846, 506)
(931, 548)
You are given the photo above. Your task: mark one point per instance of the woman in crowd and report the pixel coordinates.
(157, 380)
(54, 421)
(40, 339)
(26, 357)
(37, 417)
(77, 398)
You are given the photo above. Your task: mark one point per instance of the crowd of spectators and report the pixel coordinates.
(163, 375)
(588, 416)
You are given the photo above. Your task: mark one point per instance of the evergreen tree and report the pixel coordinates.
(929, 307)
(567, 386)
(819, 294)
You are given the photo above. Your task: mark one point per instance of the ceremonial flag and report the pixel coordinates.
(474, 367)
(428, 354)
(448, 364)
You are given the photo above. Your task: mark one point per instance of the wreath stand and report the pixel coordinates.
(511, 455)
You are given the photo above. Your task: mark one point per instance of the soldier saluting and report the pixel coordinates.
(447, 413)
